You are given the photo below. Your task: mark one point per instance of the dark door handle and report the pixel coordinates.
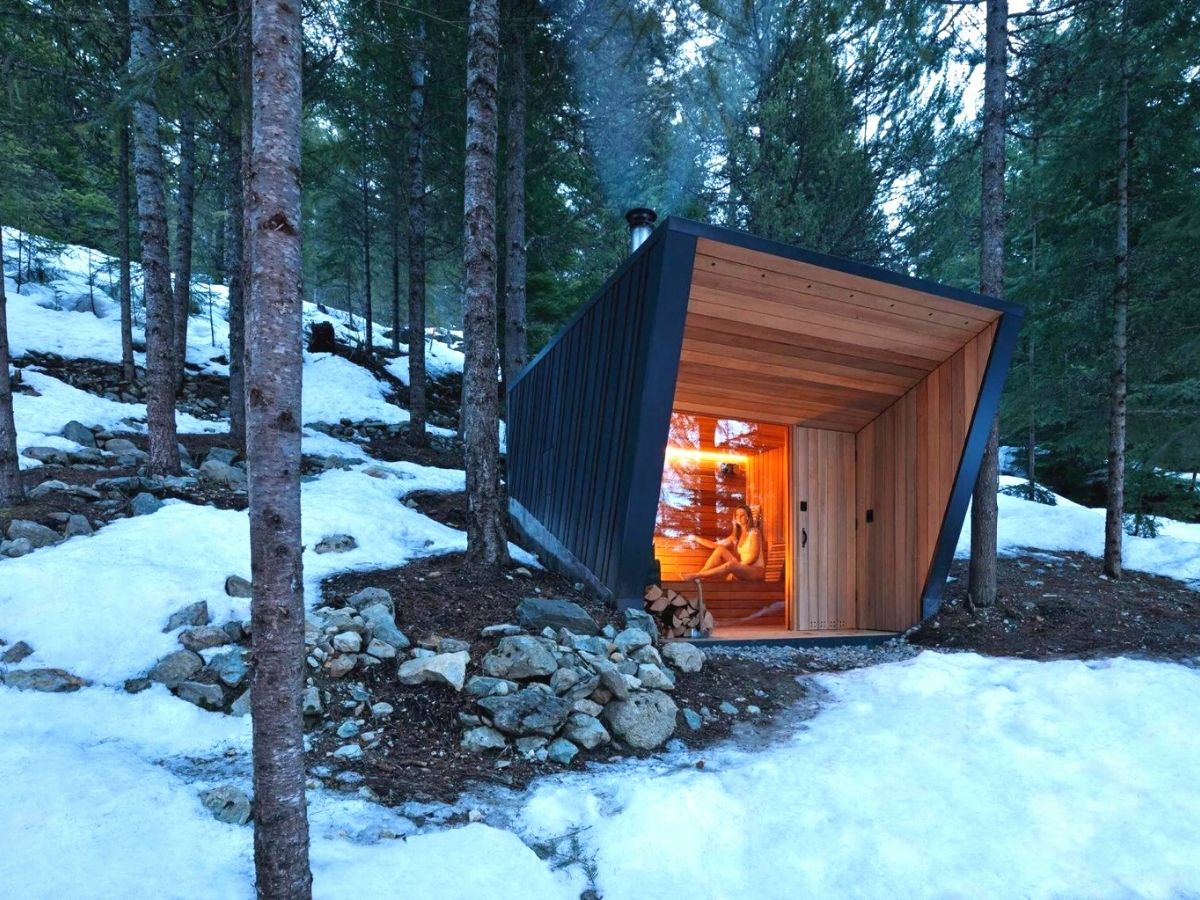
(803, 538)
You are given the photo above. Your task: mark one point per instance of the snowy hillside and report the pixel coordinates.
(938, 775)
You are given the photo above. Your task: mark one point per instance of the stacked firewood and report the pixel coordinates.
(678, 616)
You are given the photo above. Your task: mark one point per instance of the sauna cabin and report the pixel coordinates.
(844, 407)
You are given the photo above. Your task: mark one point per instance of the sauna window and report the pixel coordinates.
(712, 467)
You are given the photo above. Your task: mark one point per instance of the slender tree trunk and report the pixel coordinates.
(156, 272)
(237, 318)
(187, 197)
(274, 370)
(487, 543)
(416, 241)
(396, 267)
(515, 328)
(12, 492)
(981, 587)
(367, 304)
(237, 280)
(1031, 437)
(128, 372)
(1115, 511)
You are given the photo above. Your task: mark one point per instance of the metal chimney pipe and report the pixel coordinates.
(641, 223)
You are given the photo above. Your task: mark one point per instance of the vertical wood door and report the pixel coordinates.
(823, 533)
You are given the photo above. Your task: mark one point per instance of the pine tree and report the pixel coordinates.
(486, 540)
(416, 239)
(186, 194)
(12, 492)
(515, 328)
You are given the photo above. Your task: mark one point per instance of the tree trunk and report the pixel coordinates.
(234, 224)
(367, 305)
(128, 372)
(1115, 511)
(187, 197)
(416, 241)
(981, 587)
(12, 493)
(486, 540)
(515, 328)
(396, 266)
(274, 369)
(156, 272)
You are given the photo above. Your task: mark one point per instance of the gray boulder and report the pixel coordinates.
(683, 656)
(347, 642)
(654, 678)
(49, 681)
(536, 613)
(562, 751)
(78, 526)
(237, 586)
(16, 549)
(336, 543)
(37, 535)
(203, 638)
(692, 719)
(193, 614)
(442, 668)
(221, 455)
(16, 653)
(176, 667)
(476, 740)
(383, 626)
(610, 676)
(311, 701)
(631, 639)
(47, 487)
(88, 456)
(640, 619)
(586, 731)
(228, 804)
(144, 504)
(230, 667)
(486, 686)
(381, 649)
(519, 656)
(644, 721)
(372, 595)
(529, 711)
(120, 445)
(50, 456)
(241, 706)
(79, 433)
(216, 472)
(206, 696)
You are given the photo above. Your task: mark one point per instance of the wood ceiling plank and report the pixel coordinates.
(787, 385)
(703, 354)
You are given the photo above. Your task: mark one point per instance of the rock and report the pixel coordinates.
(341, 666)
(593, 644)
(644, 721)
(643, 621)
(692, 719)
(230, 667)
(228, 804)
(382, 710)
(587, 707)
(728, 708)
(234, 629)
(79, 433)
(381, 649)
(631, 639)
(347, 729)
(176, 667)
(221, 455)
(16, 653)
(48, 681)
(529, 746)
(371, 595)
(519, 656)
(348, 751)
(529, 711)
(50, 456)
(120, 445)
(654, 678)
(144, 504)
(563, 680)
(18, 548)
(452, 645)
(206, 696)
(500, 630)
(237, 586)
(203, 638)
(336, 543)
(136, 685)
(85, 456)
(47, 487)
(753, 710)
(586, 731)
(444, 668)
(37, 535)
(216, 472)
(347, 642)
(684, 656)
(562, 751)
(649, 656)
(536, 613)
(485, 686)
(77, 526)
(310, 702)
(482, 738)
(241, 706)
(610, 677)
(383, 626)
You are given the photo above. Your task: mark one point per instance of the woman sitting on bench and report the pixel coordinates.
(739, 556)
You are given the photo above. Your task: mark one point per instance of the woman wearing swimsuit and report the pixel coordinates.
(738, 556)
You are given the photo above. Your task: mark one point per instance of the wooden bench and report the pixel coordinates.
(762, 603)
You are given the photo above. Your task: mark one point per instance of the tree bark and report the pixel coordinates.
(515, 328)
(1115, 509)
(12, 492)
(396, 267)
(981, 586)
(128, 372)
(237, 280)
(237, 324)
(274, 369)
(186, 198)
(367, 304)
(416, 241)
(487, 543)
(156, 273)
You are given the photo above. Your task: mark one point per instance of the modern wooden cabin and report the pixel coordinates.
(845, 405)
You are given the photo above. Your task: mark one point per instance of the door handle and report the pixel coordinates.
(803, 538)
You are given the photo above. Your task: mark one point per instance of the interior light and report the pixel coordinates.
(713, 456)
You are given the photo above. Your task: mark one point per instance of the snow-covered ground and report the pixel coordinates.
(945, 775)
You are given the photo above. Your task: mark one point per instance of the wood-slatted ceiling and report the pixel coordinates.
(771, 339)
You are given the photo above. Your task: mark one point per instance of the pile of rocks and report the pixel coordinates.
(24, 536)
(362, 634)
(565, 689)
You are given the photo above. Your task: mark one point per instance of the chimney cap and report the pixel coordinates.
(641, 215)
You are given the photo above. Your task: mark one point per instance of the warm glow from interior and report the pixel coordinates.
(714, 456)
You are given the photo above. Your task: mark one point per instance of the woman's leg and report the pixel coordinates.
(719, 557)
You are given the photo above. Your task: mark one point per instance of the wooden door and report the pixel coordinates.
(823, 533)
